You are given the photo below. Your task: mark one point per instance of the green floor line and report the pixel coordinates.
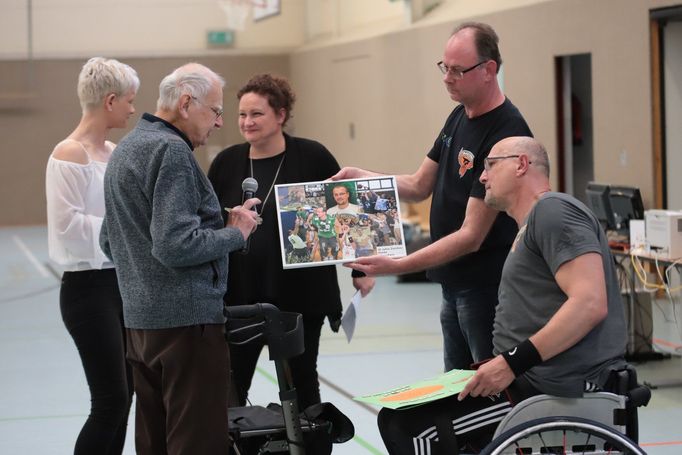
(370, 448)
(17, 419)
(267, 375)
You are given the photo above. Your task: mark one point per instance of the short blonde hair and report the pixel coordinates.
(100, 77)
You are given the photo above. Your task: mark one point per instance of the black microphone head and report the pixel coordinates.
(250, 185)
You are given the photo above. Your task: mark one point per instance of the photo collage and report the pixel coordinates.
(333, 222)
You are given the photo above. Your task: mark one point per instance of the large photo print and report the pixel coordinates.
(323, 223)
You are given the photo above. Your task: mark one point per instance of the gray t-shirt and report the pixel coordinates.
(558, 229)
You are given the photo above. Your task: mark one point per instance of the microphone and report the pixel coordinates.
(249, 187)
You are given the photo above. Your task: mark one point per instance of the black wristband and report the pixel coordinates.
(522, 358)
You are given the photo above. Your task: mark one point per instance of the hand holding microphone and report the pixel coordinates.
(245, 217)
(249, 187)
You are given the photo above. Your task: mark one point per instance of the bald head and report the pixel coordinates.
(516, 173)
(521, 145)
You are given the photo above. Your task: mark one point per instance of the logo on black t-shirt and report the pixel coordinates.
(466, 161)
(447, 140)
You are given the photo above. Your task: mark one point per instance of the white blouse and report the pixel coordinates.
(75, 209)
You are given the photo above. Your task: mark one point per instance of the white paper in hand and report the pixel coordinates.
(350, 316)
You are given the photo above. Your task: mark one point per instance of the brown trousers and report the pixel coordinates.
(181, 378)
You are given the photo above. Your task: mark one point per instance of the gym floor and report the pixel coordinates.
(44, 397)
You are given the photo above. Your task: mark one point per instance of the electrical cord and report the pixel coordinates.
(671, 297)
(665, 280)
(641, 335)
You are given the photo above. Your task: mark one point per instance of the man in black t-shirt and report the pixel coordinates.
(470, 241)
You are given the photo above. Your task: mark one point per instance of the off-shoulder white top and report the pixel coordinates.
(75, 209)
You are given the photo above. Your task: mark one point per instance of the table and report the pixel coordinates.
(654, 316)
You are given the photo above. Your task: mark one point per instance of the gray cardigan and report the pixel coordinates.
(164, 232)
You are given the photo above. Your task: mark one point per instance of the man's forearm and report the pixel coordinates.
(410, 190)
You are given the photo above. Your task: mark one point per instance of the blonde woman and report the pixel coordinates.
(89, 299)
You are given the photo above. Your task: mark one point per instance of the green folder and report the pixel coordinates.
(420, 392)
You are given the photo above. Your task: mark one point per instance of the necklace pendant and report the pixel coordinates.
(272, 185)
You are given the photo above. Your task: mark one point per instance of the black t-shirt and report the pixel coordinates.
(258, 276)
(459, 151)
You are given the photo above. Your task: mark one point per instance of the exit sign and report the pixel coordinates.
(220, 38)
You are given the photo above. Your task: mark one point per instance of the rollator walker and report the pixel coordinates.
(280, 428)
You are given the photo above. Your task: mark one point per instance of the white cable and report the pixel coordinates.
(672, 299)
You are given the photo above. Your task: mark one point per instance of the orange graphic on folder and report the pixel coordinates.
(420, 392)
(413, 393)
(462, 380)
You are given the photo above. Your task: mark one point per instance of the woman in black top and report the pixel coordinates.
(273, 157)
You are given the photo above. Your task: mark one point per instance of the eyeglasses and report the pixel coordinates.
(454, 72)
(218, 111)
(489, 161)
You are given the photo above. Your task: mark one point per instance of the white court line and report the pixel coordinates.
(34, 260)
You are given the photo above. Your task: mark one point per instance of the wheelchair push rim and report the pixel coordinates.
(594, 438)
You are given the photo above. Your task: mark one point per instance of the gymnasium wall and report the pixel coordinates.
(368, 90)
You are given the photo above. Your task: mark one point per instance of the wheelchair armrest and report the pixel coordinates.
(624, 382)
(599, 406)
(639, 396)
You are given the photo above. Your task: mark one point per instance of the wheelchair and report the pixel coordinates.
(597, 423)
(280, 428)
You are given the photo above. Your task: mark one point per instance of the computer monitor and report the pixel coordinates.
(599, 202)
(626, 204)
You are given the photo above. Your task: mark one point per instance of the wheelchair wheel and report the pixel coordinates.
(562, 435)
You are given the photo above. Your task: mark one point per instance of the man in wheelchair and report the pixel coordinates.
(559, 325)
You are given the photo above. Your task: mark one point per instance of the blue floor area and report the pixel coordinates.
(43, 393)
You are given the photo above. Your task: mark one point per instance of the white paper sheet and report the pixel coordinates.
(350, 316)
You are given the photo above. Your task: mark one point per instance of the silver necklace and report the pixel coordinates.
(262, 206)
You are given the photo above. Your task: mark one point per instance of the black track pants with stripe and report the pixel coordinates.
(418, 430)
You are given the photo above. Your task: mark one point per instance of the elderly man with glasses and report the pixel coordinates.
(164, 231)
(469, 240)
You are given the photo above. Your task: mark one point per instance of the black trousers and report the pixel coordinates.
(441, 426)
(303, 367)
(91, 308)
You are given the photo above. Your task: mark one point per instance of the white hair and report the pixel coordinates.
(193, 79)
(101, 77)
